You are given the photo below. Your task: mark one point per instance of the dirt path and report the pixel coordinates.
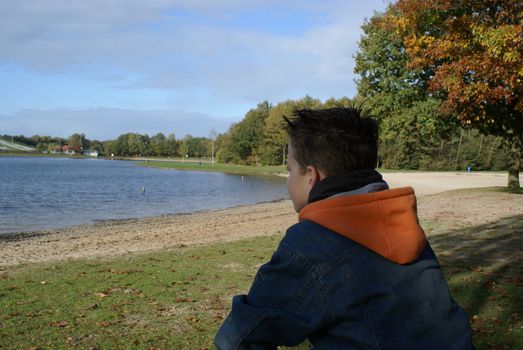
(451, 209)
(425, 183)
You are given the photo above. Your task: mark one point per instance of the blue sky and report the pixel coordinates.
(106, 67)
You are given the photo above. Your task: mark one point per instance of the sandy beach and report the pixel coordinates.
(120, 237)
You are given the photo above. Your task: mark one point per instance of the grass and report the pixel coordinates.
(166, 300)
(484, 268)
(218, 167)
(177, 299)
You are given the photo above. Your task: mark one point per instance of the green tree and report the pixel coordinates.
(243, 146)
(397, 97)
(159, 145)
(212, 136)
(224, 152)
(197, 146)
(98, 146)
(183, 147)
(110, 148)
(345, 102)
(171, 145)
(76, 141)
(135, 145)
(273, 145)
(273, 148)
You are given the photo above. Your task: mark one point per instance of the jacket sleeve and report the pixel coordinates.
(283, 307)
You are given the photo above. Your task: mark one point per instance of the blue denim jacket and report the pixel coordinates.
(340, 295)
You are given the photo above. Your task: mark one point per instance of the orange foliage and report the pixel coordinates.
(476, 47)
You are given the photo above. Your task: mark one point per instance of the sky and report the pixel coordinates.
(107, 67)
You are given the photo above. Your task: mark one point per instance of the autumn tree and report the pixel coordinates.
(475, 49)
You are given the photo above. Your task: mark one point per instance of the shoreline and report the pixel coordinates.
(27, 234)
(437, 205)
(437, 212)
(120, 237)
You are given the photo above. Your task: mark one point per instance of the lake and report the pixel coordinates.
(39, 193)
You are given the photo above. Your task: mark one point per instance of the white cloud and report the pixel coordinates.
(189, 45)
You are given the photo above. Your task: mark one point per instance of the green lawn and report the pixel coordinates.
(166, 300)
(176, 299)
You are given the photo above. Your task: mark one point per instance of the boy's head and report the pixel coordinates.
(327, 142)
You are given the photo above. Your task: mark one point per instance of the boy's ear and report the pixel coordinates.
(313, 175)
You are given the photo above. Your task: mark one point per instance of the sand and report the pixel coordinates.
(132, 236)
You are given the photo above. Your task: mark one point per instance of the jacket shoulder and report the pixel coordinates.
(316, 243)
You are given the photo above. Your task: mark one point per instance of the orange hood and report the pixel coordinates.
(385, 222)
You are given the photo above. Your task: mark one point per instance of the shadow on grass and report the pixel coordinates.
(484, 268)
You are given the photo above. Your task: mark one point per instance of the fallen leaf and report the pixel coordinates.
(490, 285)
(131, 290)
(121, 272)
(59, 324)
(184, 300)
(103, 324)
(120, 305)
(92, 307)
(193, 319)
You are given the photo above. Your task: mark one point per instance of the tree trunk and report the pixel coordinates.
(514, 162)
(440, 151)
(490, 153)
(480, 144)
(459, 149)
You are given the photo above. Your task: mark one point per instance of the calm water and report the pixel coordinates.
(41, 193)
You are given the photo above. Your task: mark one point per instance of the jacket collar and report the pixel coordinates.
(333, 185)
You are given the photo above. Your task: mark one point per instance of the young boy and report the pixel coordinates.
(356, 272)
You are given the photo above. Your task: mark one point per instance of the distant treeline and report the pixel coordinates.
(260, 139)
(126, 145)
(437, 144)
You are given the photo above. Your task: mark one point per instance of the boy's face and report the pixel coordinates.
(299, 182)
